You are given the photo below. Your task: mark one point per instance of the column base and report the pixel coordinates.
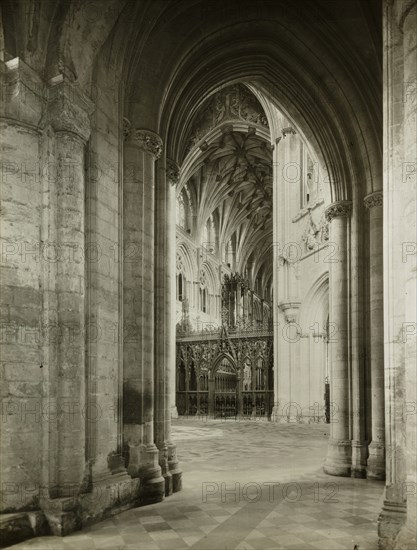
(168, 483)
(174, 468)
(376, 462)
(62, 514)
(407, 538)
(359, 456)
(176, 480)
(339, 458)
(152, 489)
(144, 464)
(163, 463)
(109, 495)
(390, 521)
(174, 411)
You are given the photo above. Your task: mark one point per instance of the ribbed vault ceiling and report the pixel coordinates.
(232, 179)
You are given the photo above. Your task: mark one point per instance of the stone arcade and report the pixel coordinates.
(179, 166)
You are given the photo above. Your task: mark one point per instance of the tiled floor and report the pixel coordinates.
(247, 485)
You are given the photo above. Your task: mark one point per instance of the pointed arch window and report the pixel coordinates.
(181, 213)
(181, 285)
(204, 294)
(203, 299)
(181, 282)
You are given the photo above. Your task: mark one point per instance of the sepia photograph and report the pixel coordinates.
(208, 279)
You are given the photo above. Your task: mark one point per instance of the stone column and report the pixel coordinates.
(142, 148)
(172, 172)
(69, 117)
(357, 308)
(165, 323)
(407, 537)
(339, 454)
(26, 217)
(108, 483)
(286, 162)
(400, 237)
(376, 460)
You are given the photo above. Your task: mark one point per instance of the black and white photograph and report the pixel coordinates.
(208, 278)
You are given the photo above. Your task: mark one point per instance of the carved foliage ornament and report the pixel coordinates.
(374, 199)
(173, 172)
(338, 210)
(149, 142)
(288, 130)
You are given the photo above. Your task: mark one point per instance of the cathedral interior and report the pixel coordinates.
(208, 274)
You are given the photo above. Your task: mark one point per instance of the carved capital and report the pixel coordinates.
(22, 93)
(172, 171)
(148, 141)
(373, 199)
(290, 310)
(69, 109)
(288, 130)
(338, 209)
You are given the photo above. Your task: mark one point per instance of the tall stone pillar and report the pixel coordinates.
(172, 178)
(397, 521)
(25, 222)
(165, 323)
(339, 454)
(141, 149)
(358, 409)
(286, 175)
(376, 460)
(408, 535)
(68, 114)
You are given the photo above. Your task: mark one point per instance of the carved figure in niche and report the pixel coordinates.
(310, 235)
(324, 227)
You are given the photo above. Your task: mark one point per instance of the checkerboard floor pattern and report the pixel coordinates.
(310, 511)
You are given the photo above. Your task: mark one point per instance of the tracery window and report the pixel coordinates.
(181, 287)
(181, 280)
(203, 299)
(181, 213)
(204, 295)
